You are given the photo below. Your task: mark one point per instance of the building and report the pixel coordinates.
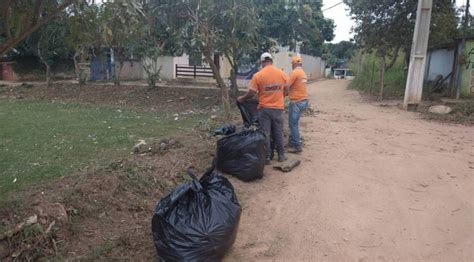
(446, 65)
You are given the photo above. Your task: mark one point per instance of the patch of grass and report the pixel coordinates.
(40, 141)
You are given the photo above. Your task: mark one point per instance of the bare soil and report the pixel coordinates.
(376, 184)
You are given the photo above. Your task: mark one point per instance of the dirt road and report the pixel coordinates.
(376, 183)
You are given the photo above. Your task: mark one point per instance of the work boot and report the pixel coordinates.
(282, 158)
(294, 150)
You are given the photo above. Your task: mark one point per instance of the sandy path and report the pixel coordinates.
(376, 183)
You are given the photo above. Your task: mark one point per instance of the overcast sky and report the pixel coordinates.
(341, 18)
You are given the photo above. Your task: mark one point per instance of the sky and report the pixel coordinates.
(340, 15)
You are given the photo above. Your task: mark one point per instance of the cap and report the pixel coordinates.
(266, 55)
(296, 60)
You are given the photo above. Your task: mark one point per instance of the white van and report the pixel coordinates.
(343, 74)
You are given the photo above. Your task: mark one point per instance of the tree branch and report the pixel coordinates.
(12, 42)
(37, 11)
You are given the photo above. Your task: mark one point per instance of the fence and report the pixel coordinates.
(193, 71)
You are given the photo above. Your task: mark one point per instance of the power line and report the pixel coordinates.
(332, 6)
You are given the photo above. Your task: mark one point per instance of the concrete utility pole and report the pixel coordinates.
(462, 50)
(416, 71)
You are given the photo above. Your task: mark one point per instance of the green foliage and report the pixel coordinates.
(42, 141)
(342, 50)
(121, 27)
(20, 18)
(387, 26)
(368, 78)
(295, 22)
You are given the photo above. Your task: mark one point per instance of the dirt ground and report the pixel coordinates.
(376, 184)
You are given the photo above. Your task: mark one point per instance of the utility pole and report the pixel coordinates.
(416, 71)
(462, 50)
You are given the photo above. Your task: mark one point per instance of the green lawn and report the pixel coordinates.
(40, 141)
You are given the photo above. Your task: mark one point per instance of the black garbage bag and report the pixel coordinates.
(198, 221)
(249, 112)
(225, 130)
(242, 155)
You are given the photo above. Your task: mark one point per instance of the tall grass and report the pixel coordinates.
(367, 69)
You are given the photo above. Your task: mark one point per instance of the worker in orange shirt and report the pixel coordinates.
(270, 85)
(298, 95)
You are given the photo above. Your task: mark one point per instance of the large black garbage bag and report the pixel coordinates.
(198, 221)
(242, 155)
(249, 112)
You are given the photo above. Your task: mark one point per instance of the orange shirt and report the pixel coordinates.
(297, 85)
(270, 84)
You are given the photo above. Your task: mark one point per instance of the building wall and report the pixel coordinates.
(7, 73)
(314, 67)
(131, 70)
(166, 64)
(440, 63)
(467, 83)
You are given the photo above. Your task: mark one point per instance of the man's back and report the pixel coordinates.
(270, 84)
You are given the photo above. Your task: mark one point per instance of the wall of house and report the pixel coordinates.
(440, 63)
(131, 70)
(166, 64)
(7, 73)
(467, 83)
(225, 68)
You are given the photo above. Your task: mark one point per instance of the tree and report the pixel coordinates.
(158, 38)
(121, 27)
(19, 19)
(202, 28)
(83, 34)
(304, 24)
(49, 44)
(239, 40)
(386, 27)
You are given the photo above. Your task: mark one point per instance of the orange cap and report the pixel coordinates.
(296, 60)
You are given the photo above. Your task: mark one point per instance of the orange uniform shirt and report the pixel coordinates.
(270, 84)
(298, 90)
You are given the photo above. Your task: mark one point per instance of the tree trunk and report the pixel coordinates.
(117, 75)
(234, 88)
(77, 70)
(220, 83)
(382, 78)
(233, 81)
(48, 75)
(372, 76)
(45, 62)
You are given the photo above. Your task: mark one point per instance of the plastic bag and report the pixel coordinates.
(225, 130)
(249, 112)
(198, 221)
(242, 155)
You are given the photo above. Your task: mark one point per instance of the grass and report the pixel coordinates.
(41, 141)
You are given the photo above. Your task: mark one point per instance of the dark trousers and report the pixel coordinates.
(271, 123)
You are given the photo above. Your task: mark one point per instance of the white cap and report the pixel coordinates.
(265, 55)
